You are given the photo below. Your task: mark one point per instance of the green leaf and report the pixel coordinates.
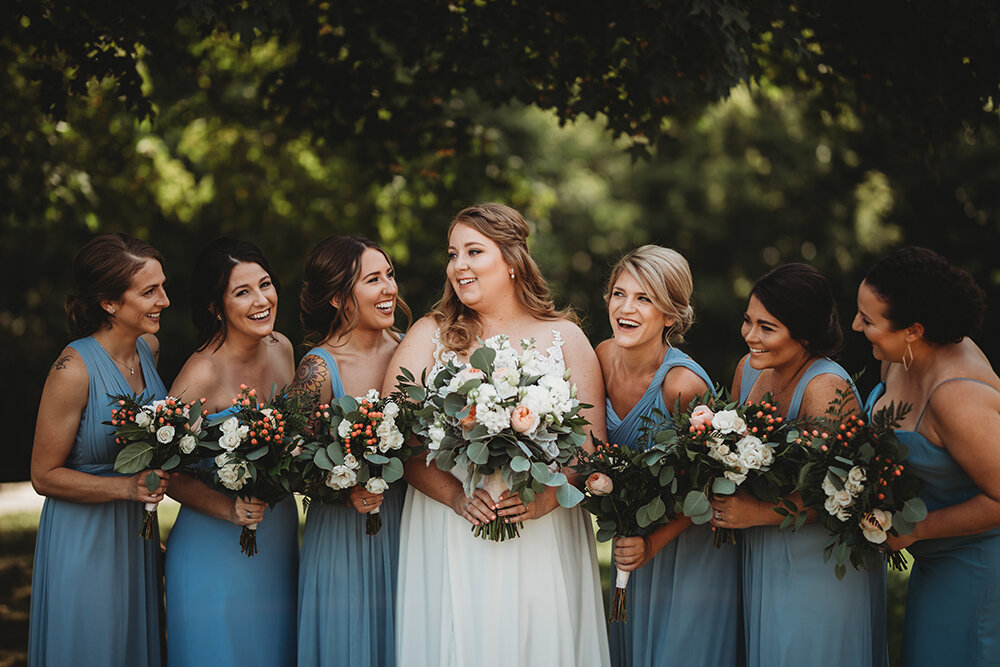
(377, 459)
(914, 510)
(723, 486)
(604, 534)
(568, 495)
(540, 472)
(479, 452)
(527, 495)
(152, 481)
(322, 460)
(392, 471)
(133, 458)
(453, 404)
(519, 464)
(257, 453)
(697, 508)
(666, 475)
(655, 508)
(483, 359)
(800, 520)
(557, 479)
(171, 463)
(642, 517)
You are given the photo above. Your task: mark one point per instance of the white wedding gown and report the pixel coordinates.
(463, 601)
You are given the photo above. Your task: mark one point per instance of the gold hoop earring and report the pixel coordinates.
(908, 364)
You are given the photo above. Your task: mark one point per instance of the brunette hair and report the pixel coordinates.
(212, 269)
(666, 277)
(919, 285)
(103, 269)
(801, 298)
(506, 227)
(332, 271)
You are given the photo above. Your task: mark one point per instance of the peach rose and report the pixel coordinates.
(469, 421)
(702, 416)
(523, 419)
(599, 484)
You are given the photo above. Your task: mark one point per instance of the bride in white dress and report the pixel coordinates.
(464, 601)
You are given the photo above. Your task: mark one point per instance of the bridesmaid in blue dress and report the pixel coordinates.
(95, 588)
(223, 608)
(918, 312)
(347, 579)
(795, 610)
(682, 600)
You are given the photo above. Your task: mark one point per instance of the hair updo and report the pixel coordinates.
(666, 278)
(919, 285)
(801, 298)
(103, 270)
(210, 281)
(332, 271)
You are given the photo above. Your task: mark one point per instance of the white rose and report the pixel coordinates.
(376, 485)
(142, 419)
(165, 434)
(230, 476)
(372, 395)
(831, 505)
(341, 477)
(230, 425)
(392, 441)
(390, 410)
(828, 486)
(737, 477)
(732, 459)
(229, 441)
(766, 454)
(728, 421)
(385, 427)
(537, 399)
(351, 462)
(221, 459)
(875, 525)
(435, 434)
(345, 428)
(843, 514)
(187, 444)
(843, 498)
(243, 431)
(853, 488)
(751, 460)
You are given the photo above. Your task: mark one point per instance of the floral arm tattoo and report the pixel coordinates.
(309, 377)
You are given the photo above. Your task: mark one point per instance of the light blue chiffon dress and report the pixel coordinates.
(224, 608)
(347, 579)
(953, 598)
(683, 605)
(796, 611)
(95, 588)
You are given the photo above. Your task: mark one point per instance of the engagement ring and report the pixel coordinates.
(364, 501)
(249, 514)
(718, 516)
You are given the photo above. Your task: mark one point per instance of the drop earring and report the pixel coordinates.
(908, 364)
(511, 273)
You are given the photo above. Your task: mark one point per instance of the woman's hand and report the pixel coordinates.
(247, 511)
(363, 500)
(476, 510)
(137, 490)
(631, 553)
(512, 510)
(741, 510)
(898, 542)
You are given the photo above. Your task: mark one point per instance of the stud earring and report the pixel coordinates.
(111, 311)
(511, 274)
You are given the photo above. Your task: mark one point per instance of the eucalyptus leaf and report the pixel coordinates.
(519, 464)
(568, 495)
(171, 463)
(697, 507)
(257, 453)
(377, 459)
(335, 453)
(392, 471)
(557, 479)
(540, 472)
(723, 486)
(479, 452)
(914, 510)
(322, 460)
(133, 458)
(152, 481)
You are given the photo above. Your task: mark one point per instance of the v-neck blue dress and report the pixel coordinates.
(347, 579)
(683, 605)
(953, 597)
(95, 587)
(796, 612)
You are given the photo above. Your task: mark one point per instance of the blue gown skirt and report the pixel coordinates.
(347, 585)
(688, 575)
(799, 613)
(224, 608)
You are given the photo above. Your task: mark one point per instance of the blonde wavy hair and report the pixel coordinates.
(666, 277)
(459, 324)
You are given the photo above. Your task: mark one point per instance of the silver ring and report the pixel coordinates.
(249, 514)
(364, 501)
(718, 516)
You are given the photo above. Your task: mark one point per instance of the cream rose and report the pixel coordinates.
(728, 421)
(376, 485)
(143, 420)
(599, 484)
(230, 425)
(875, 525)
(229, 441)
(341, 477)
(165, 434)
(187, 444)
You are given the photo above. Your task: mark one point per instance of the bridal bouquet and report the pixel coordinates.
(256, 444)
(624, 497)
(163, 435)
(856, 481)
(507, 418)
(718, 446)
(355, 441)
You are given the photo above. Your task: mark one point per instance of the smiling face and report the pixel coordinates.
(476, 267)
(250, 301)
(888, 344)
(375, 292)
(139, 307)
(770, 342)
(634, 319)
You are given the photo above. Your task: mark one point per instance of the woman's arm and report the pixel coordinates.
(631, 553)
(965, 418)
(63, 401)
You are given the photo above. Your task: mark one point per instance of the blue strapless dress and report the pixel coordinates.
(347, 579)
(683, 605)
(953, 597)
(95, 588)
(226, 609)
(796, 612)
